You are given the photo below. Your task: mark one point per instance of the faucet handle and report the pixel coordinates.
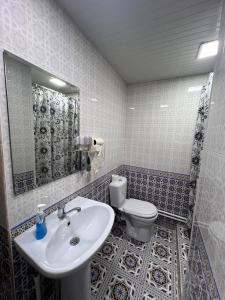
(61, 211)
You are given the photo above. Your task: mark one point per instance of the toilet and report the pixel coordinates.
(139, 215)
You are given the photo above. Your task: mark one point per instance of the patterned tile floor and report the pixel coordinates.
(125, 269)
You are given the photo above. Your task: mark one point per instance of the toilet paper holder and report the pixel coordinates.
(90, 144)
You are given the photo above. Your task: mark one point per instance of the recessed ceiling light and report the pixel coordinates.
(94, 99)
(208, 49)
(57, 81)
(163, 105)
(132, 108)
(196, 88)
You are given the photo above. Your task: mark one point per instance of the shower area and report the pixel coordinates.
(166, 127)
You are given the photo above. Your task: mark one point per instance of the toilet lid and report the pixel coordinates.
(139, 208)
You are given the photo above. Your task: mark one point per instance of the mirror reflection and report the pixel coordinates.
(44, 122)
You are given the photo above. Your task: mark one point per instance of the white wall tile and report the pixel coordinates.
(40, 32)
(161, 137)
(210, 202)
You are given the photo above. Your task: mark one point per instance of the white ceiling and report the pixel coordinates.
(146, 40)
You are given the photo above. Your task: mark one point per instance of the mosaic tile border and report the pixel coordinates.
(169, 192)
(156, 172)
(23, 182)
(200, 282)
(6, 267)
(98, 190)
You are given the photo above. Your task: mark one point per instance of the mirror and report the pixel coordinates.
(44, 121)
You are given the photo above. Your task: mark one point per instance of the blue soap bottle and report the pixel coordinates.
(41, 228)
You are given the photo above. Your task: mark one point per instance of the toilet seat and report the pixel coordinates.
(139, 208)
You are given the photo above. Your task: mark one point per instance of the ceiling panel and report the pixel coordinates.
(147, 40)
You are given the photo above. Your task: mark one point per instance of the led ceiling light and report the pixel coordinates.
(196, 88)
(163, 105)
(94, 99)
(57, 81)
(208, 49)
(132, 108)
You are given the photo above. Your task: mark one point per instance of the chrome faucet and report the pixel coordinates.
(61, 211)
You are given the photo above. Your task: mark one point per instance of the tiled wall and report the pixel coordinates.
(157, 137)
(40, 32)
(210, 202)
(169, 192)
(200, 282)
(6, 269)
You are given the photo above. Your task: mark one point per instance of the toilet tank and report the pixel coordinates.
(118, 191)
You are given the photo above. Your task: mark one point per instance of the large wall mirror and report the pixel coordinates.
(44, 123)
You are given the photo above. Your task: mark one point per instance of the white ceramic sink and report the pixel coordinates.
(54, 256)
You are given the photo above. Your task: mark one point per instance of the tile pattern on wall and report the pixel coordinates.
(6, 268)
(200, 282)
(41, 33)
(160, 127)
(25, 276)
(24, 182)
(210, 200)
(169, 192)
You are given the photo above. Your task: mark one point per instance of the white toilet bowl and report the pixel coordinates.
(139, 216)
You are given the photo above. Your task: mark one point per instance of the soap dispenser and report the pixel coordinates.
(41, 228)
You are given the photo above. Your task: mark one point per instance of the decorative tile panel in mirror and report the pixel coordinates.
(44, 122)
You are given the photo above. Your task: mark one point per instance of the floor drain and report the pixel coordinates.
(74, 241)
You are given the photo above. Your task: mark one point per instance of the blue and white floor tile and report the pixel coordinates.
(125, 269)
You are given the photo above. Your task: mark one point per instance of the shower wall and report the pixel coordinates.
(207, 272)
(160, 122)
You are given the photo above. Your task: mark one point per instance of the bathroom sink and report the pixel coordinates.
(69, 243)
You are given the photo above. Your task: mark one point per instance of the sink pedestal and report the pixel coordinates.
(77, 285)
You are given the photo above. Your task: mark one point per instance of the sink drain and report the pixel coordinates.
(74, 241)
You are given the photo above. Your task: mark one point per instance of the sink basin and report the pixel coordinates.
(70, 243)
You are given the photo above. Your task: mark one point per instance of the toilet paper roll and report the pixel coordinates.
(97, 141)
